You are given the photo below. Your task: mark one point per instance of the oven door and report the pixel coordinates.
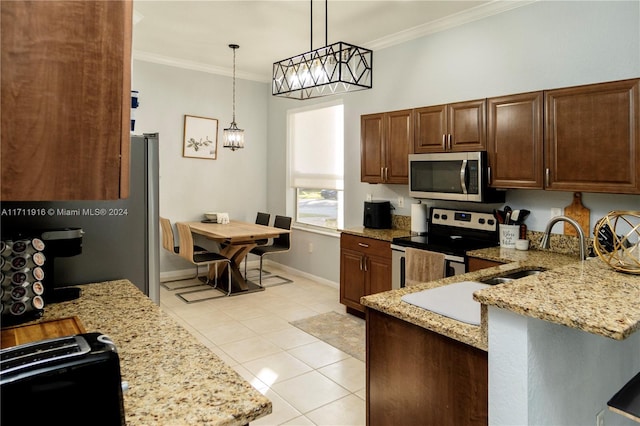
(397, 267)
(454, 265)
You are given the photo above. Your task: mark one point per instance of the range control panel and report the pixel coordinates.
(464, 219)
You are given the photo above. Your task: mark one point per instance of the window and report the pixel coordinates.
(316, 142)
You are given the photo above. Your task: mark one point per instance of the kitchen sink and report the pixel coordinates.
(511, 276)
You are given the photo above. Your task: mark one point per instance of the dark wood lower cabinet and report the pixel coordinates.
(418, 377)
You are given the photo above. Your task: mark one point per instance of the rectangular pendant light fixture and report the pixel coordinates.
(337, 68)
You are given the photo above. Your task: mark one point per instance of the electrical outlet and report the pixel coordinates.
(555, 211)
(400, 202)
(600, 418)
(368, 197)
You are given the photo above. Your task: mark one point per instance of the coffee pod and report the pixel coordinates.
(27, 261)
(37, 302)
(18, 308)
(27, 275)
(29, 246)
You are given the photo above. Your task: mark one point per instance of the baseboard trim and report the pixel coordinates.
(186, 273)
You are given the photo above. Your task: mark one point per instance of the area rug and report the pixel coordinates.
(344, 332)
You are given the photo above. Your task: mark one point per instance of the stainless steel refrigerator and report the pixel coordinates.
(121, 237)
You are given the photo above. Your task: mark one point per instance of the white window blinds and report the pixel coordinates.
(317, 148)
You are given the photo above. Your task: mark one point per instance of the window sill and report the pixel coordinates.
(316, 230)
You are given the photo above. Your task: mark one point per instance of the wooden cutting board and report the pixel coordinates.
(18, 335)
(579, 213)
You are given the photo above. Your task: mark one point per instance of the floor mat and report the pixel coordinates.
(341, 331)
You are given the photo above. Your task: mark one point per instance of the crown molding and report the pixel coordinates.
(196, 66)
(470, 15)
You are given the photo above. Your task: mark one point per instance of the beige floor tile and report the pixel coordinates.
(228, 333)
(299, 421)
(348, 373)
(252, 334)
(309, 391)
(266, 323)
(249, 349)
(276, 368)
(282, 411)
(290, 338)
(347, 411)
(318, 354)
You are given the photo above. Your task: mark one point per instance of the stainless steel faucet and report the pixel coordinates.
(545, 242)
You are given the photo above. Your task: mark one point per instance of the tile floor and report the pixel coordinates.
(308, 381)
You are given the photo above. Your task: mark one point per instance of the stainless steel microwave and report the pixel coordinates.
(457, 176)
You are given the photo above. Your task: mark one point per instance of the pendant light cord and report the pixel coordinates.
(326, 24)
(234, 47)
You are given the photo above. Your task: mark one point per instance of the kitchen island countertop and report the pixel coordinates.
(587, 295)
(173, 379)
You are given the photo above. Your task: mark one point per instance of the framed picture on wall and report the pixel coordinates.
(200, 137)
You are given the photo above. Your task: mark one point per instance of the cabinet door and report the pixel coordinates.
(592, 140)
(65, 99)
(399, 143)
(467, 125)
(378, 274)
(371, 152)
(352, 279)
(515, 141)
(476, 264)
(430, 129)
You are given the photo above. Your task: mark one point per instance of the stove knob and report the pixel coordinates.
(444, 217)
(481, 221)
(437, 216)
(491, 222)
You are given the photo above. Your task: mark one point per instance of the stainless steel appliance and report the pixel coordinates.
(459, 176)
(120, 237)
(452, 232)
(62, 380)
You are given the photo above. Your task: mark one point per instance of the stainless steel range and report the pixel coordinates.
(452, 232)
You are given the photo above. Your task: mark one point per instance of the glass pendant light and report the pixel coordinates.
(336, 68)
(232, 137)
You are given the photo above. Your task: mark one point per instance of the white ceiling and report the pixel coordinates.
(196, 34)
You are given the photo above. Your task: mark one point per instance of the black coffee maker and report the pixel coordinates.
(60, 242)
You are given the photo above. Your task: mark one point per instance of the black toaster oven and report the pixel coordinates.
(61, 381)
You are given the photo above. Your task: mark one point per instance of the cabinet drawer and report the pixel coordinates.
(365, 245)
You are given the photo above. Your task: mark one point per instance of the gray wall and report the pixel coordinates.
(541, 46)
(235, 182)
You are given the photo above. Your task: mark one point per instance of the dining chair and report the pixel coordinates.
(168, 243)
(280, 244)
(261, 219)
(187, 252)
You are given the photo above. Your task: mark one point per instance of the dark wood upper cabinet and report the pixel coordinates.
(386, 141)
(515, 141)
(454, 127)
(66, 70)
(371, 148)
(592, 138)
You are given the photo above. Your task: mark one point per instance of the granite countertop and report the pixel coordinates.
(377, 234)
(585, 295)
(173, 379)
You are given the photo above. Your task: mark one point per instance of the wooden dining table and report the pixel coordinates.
(236, 240)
